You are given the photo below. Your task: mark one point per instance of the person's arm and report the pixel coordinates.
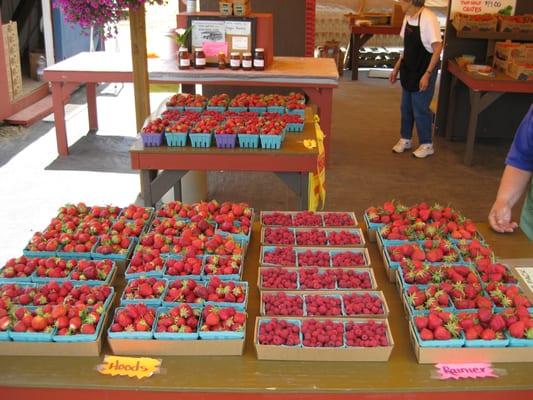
(435, 59)
(513, 184)
(393, 77)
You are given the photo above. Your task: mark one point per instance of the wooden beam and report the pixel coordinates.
(140, 65)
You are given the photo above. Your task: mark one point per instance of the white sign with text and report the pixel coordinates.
(507, 7)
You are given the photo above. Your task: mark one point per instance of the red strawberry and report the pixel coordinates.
(421, 322)
(485, 315)
(434, 321)
(442, 333)
(488, 334)
(426, 334)
(497, 323)
(471, 334)
(517, 329)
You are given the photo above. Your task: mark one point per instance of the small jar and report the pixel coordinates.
(247, 61)
(235, 61)
(183, 58)
(199, 58)
(259, 59)
(221, 60)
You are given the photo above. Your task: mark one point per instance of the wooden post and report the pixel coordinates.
(140, 65)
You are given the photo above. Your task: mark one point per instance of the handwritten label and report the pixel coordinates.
(465, 371)
(211, 49)
(483, 6)
(239, 43)
(134, 367)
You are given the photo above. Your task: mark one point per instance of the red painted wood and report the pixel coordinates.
(59, 119)
(91, 394)
(32, 113)
(502, 83)
(91, 106)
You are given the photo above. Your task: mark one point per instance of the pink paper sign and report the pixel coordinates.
(465, 371)
(211, 49)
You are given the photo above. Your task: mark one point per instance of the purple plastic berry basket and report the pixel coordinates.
(226, 141)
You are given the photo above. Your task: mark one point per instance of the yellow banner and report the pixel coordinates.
(317, 180)
(134, 367)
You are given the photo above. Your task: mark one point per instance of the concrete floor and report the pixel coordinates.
(362, 170)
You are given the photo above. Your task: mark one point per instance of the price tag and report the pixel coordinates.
(465, 371)
(134, 367)
(506, 7)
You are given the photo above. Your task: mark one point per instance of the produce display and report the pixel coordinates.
(455, 293)
(315, 288)
(246, 120)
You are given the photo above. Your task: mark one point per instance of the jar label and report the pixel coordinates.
(185, 62)
(200, 61)
(247, 63)
(259, 63)
(235, 63)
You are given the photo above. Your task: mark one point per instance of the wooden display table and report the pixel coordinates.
(362, 34)
(245, 377)
(483, 91)
(292, 163)
(317, 77)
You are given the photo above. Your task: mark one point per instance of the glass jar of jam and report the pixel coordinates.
(247, 61)
(235, 61)
(221, 60)
(259, 59)
(183, 58)
(199, 58)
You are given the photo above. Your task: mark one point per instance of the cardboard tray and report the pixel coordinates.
(372, 354)
(300, 249)
(327, 230)
(321, 213)
(133, 347)
(391, 272)
(368, 270)
(330, 293)
(433, 355)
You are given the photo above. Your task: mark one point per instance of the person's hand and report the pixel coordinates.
(500, 218)
(393, 77)
(424, 82)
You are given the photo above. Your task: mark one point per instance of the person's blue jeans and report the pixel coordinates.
(415, 110)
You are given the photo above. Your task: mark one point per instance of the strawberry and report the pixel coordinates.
(426, 334)
(421, 322)
(488, 334)
(442, 333)
(517, 330)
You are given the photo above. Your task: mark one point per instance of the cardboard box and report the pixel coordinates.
(434, 355)
(523, 271)
(327, 230)
(468, 22)
(133, 347)
(370, 271)
(372, 354)
(507, 51)
(298, 249)
(515, 23)
(520, 71)
(501, 65)
(391, 272)
(330, 293)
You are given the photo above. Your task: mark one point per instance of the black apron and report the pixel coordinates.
(416, 58)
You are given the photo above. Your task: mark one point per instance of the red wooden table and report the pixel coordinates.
(483, 91)
(362, 34)
(316, 77)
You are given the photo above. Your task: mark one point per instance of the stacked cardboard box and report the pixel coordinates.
(514, 59)
(12, 59)
(239, 8)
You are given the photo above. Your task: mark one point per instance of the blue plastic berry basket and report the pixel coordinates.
(413, 311)
(237, 109)
(130, 335)
(515, 342)
(248, 141)
(182, 277)
(32, 336)
(81, 337)
(296, 322)
(149, 302)
(277, 288)
(272, 142)
(350, 250)
(4, 336)
(227, 277)
(17, 279)
(220, 109)
(237, 306)
(72, 255)
(178, 108)
(294, 127)
(224, 141)
(200, 139)
(259, 110)
(40, 254)
(112, 256)
(194, 109)
(269, 249)
(176, 139)
(158, 273)
(222, 335)
(487, 343)
(300, 251)
(452, 343)
(152, 139)
(297, 111)
(177, 335)
(237, 236)
(175, 303)
(276, 109)
(337, 296)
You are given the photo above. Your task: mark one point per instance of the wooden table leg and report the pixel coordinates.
(147, 176)
(451, 108)
(91, 106)
(304, 190)
(323, 98)
(475, 97)
(357, 42)
(59, 118)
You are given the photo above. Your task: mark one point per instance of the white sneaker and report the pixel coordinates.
(424, 150)
(402, 145)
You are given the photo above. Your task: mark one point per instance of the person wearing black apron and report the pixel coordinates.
(418, 67)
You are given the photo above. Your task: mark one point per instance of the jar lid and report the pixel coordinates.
(259, 49)
(183, 49)
(198, 49)
(246, 54)
(235, 53)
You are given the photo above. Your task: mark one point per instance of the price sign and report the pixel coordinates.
(505, 7)
(134, 367)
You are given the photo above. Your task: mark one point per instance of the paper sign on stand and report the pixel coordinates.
(465, 371)
(134, 367)
(211, 49)
(483, 6)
